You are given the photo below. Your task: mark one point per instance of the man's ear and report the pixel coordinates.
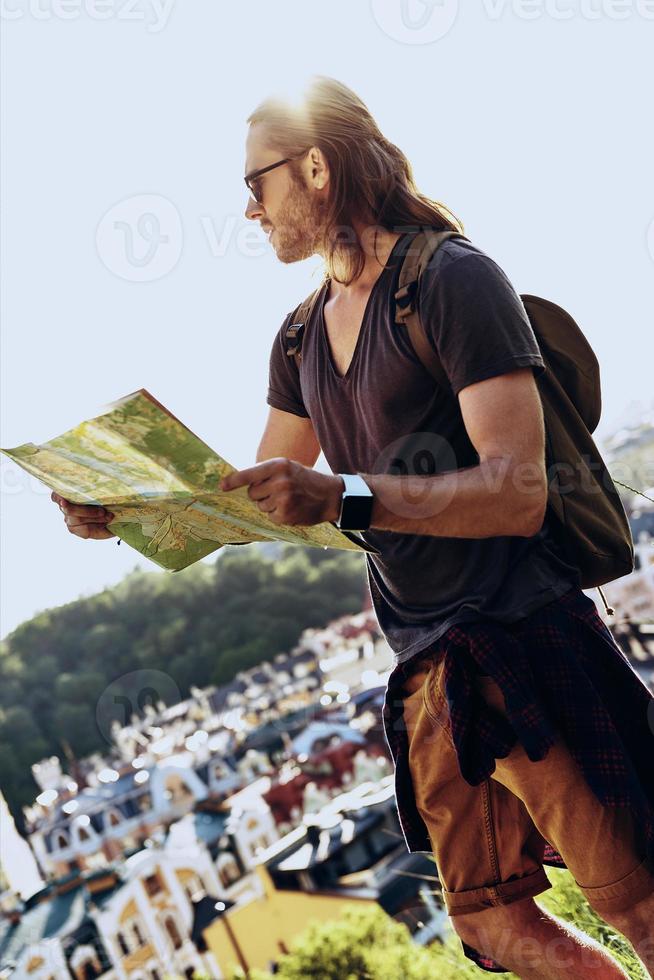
(318, 169)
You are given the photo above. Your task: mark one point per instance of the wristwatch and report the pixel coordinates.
(356, 504)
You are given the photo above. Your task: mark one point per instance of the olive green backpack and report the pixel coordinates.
(588, 518)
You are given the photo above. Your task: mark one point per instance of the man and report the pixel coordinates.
(498, 652)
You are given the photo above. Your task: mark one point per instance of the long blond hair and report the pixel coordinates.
(371, 179)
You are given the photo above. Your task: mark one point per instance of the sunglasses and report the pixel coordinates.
(253, 179)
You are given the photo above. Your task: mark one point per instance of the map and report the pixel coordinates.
(161, 482)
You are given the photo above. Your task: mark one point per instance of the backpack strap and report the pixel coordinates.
(420, 252)
(301, 316)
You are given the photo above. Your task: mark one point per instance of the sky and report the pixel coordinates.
(127, 261)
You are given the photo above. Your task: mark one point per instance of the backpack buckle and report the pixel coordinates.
(294, 332)
(405, 301)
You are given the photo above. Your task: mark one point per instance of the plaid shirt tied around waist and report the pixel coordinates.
(561, 672)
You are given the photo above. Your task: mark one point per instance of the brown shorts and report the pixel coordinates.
(489, 840)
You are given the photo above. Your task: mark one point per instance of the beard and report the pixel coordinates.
(300, 224)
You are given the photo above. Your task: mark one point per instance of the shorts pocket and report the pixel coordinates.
(434, 699)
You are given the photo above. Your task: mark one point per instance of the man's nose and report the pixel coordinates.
(253, 211)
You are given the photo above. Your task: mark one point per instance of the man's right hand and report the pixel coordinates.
(85, 520)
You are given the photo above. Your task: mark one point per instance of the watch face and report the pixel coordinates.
(357, 512)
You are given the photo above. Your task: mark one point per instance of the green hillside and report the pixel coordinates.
(201, 626)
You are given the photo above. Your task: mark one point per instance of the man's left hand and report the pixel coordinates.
(288, 492)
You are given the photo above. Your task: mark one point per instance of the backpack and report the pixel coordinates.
(587, 518)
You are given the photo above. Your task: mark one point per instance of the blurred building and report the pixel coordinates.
(134, 918)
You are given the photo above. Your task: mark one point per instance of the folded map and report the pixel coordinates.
(162, 484)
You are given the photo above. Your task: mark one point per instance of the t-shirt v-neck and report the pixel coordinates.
(363, 328)
(387, 415)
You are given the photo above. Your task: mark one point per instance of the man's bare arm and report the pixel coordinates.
(290, 436)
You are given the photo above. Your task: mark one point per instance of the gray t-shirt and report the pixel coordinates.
(387, 415)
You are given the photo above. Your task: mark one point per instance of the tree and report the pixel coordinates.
(200, 626)
(364, 943)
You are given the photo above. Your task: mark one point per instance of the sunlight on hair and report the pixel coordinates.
(292, 90)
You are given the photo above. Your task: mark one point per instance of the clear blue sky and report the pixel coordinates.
(532, 123)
